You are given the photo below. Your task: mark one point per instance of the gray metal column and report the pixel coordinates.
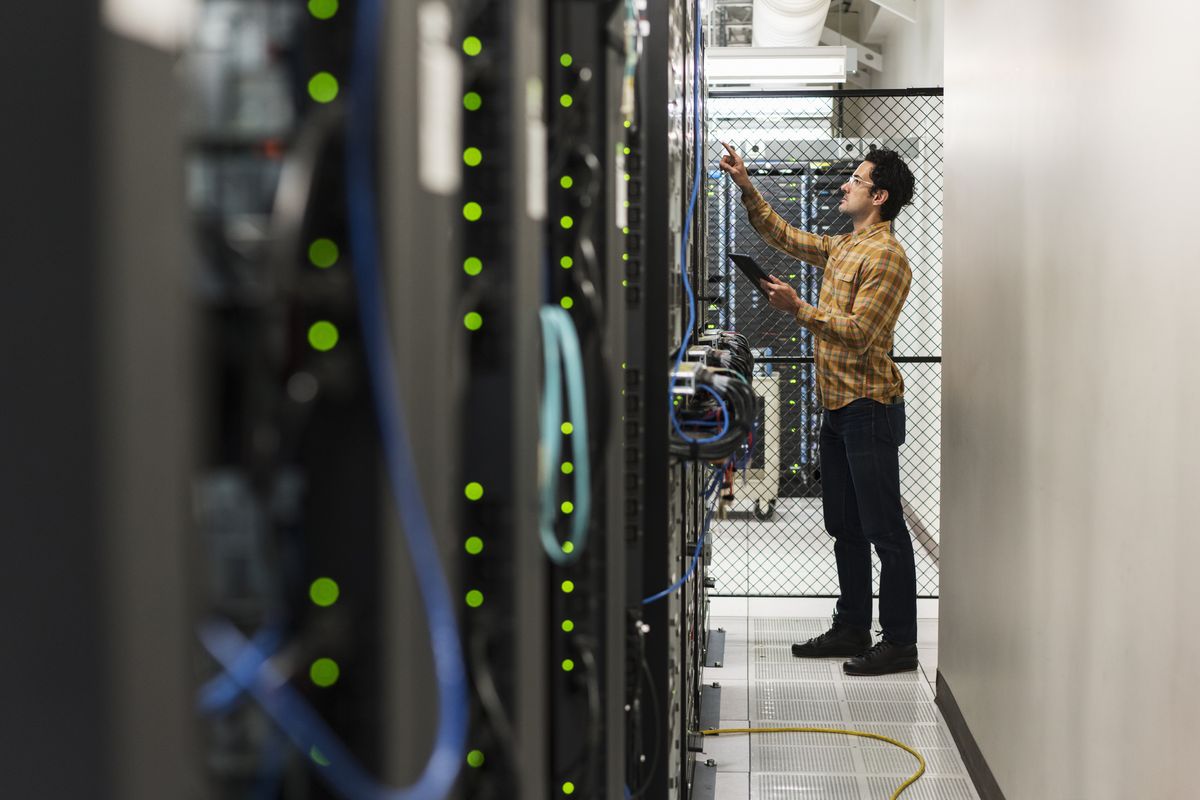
(96, 367)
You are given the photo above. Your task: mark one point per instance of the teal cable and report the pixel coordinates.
(551, 438)
(561, 350)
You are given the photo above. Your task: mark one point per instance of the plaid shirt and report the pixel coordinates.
(864, 287)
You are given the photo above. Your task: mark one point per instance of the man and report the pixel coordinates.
(865, 284)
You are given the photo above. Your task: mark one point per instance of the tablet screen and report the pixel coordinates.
(749, 267)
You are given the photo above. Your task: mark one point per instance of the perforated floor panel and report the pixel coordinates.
(779, 690)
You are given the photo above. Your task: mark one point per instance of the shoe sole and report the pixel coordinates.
(843, 654)
(869, 673)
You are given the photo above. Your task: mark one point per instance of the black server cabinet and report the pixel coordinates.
(583, 268)
(419, 107)
(501, 244)
(663, 504)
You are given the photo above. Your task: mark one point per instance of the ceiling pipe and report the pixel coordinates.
(789, 23)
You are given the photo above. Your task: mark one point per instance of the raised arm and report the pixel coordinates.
(774, 230)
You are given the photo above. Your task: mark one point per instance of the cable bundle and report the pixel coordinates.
(717, 406)
(729, 350)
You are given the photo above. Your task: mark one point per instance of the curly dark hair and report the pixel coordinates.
(891, 173)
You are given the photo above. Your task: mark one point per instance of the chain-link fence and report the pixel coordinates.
(800, 149)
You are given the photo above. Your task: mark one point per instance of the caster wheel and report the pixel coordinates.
(764, 513)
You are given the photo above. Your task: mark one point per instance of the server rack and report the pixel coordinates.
(663, 508)
(806, 195)
(299, 513)
(584, 58)
(499, 264)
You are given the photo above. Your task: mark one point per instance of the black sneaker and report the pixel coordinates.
(883, 659)
(839, 641)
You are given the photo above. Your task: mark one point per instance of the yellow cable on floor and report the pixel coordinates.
(920, 771)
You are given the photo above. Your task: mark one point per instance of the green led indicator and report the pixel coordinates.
(472, 211)
(473, 321)
(323, 253)
(474, 598)
(567, 507)
(567, 666)
(628, 124)
(565, 59)
(568, 587)
(475, 759)
(324, 672)
(322, 9)
(323, 87)
(791, 380)
(567, 468)
(474, 545)
(567, 428)
(324, 592)
(626, 150)
(624, 283)
(568, 548)
(567, 222)
(472, 157)
(791, 402)
(473, 266)
(474, 491)
(626, 177)
(625, 204)
(566, 100)
(472, 101)
(568, 626)
(472, 46)
(566, 181)
(566, 262)
(566, 303)
(323, 336)
(625, 230)
(317, 756)
(624, 256)
(568, 787)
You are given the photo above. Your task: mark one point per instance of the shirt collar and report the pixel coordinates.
(871, 230)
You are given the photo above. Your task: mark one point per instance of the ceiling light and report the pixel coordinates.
(774, 68)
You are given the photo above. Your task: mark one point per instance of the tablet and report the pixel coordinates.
(750, 269)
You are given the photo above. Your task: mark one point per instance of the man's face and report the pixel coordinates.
(858, 192)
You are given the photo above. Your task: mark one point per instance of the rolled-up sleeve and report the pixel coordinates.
(776, 232)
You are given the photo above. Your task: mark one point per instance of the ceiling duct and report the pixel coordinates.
(789, 23)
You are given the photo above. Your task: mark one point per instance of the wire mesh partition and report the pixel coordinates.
(799, 149)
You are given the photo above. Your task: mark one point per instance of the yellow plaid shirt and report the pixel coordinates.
(864, 287)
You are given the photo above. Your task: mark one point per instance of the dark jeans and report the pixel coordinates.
(860, 473)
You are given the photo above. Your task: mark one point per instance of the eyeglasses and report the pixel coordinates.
(854, 180)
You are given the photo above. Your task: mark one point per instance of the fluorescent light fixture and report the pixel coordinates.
(774, 68)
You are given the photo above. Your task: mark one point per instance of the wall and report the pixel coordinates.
(1070, 540)
(912, 52)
